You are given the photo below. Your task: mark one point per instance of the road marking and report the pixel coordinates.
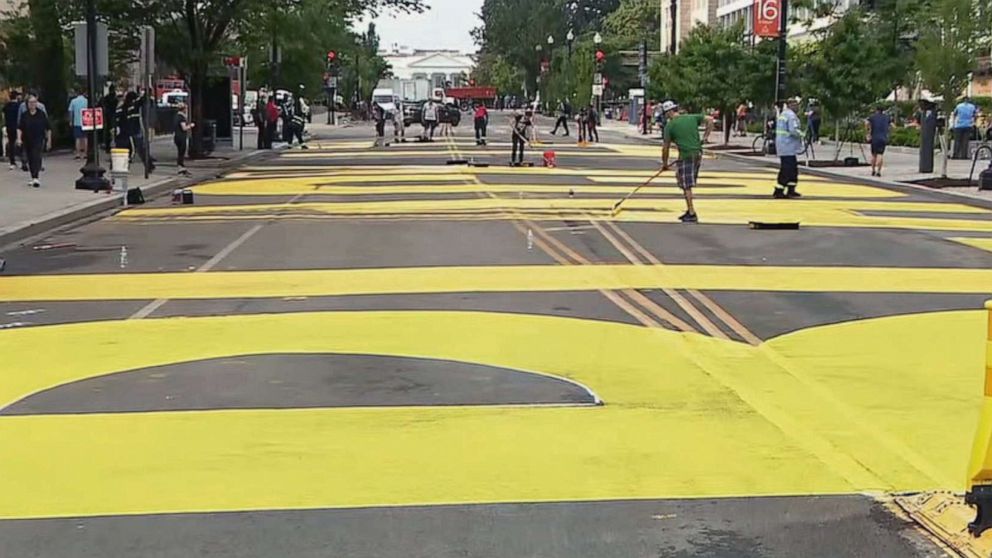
(655, 383)
(483, 279)
(154, 305)
(561, 252)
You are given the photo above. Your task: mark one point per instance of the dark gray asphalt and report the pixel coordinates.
(301, 381)
(824, 527)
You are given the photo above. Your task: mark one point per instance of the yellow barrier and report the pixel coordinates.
(980, 466)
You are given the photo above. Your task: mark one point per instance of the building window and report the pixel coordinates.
(419, 76)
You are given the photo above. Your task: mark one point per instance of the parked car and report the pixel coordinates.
(412, 112)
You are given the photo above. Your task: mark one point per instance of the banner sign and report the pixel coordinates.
(767, 18)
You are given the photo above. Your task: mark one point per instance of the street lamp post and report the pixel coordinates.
(568, 63)
(92, 178)
(597, 39)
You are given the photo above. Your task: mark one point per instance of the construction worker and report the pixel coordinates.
(788, 145)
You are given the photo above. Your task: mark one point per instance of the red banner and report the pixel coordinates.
(92, 119)
(767, 18)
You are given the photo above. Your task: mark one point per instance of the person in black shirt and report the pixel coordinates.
(10, 112)
(109, 104)
(519, 127)
(180, 136)
(34, 133)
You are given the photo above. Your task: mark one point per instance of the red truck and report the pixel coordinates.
(466, 95)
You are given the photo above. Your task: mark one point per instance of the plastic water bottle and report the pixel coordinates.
(123, 257)
(530, 239)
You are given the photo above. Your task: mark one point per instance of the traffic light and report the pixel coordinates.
(471, 82)
(332, 62)
(331, 56)
(600, 60)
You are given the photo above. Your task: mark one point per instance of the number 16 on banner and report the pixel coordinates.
(767, 15)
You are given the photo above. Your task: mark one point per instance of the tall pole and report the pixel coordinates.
(674, 14)
(92, 178)
(783, 44)
(644, 85)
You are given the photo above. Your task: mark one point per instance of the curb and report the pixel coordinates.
(903, 187)
(112, 202)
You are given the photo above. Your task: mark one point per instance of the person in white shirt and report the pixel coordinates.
(430, 119)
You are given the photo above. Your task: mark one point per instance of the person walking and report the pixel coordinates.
(964, 126)
(445, 123)
(109, 105)
(34, 135)
(879, 125)
(399, 127)
(77, 105)
(814, 118)
(133, 129)
(181, 137)
(429, 118)
(519, 127)
(742, 120)
(788, 146)
(481, 123)
(379, 117)
(10, 112)
(592, 122)
(258, 117)
(581, 122)
(683, 131)
(564, 114)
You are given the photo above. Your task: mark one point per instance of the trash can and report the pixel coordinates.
(209, 136)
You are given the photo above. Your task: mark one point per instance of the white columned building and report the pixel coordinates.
(438, 66)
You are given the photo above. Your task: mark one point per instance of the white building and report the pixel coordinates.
(439, 66)
(729, 12)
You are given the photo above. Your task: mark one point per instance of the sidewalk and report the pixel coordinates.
(27, 211)
(901, 163)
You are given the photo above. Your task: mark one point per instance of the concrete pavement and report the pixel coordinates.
(28, 211)
(363, 352)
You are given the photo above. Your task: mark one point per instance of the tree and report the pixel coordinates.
(947, 52)
(698, 74)
(849, 67)
(193, 33)
(634, 21)
(494, 70)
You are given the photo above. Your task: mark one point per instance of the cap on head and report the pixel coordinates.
(669, 106)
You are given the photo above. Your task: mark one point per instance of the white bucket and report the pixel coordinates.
(118, 160)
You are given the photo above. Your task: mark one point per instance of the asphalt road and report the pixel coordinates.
(349, 351)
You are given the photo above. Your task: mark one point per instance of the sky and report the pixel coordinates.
(445, 25)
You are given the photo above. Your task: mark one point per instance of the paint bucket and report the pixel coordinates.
(187, 197)
(550, 159)
(177, 197)
(119, 160)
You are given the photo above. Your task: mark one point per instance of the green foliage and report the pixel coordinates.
(849, 69)
(494, 70)
(714, 69)
(634, 21)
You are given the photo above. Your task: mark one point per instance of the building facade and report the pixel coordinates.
(439, 66)
(687, 15)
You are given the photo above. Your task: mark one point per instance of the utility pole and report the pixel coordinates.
(92, 178)
(783, 45)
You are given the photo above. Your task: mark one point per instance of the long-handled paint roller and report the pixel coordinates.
(617, 206)
(529, 144)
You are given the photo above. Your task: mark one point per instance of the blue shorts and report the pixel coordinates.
(78, 133)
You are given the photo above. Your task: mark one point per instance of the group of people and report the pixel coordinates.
(587, 121)
(284, 118)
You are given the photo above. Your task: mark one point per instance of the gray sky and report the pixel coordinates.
(445, 25)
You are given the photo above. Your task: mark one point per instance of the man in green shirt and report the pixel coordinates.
(683, 130)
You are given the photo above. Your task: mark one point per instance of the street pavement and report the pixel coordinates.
(348, 351)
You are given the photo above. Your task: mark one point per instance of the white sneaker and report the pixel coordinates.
(36, 183)
(12, 167)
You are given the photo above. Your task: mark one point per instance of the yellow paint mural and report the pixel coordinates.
(685, 416)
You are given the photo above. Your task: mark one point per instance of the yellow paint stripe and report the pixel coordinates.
(980, 243)
(715, 207)
(387, 170)
(260, 284)
(316, 186)
(436, 153)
